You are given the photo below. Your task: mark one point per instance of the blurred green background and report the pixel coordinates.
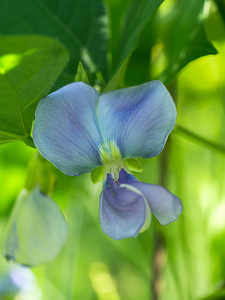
(186, 259)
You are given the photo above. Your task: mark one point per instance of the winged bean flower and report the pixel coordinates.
(79, 130)
(36, 230)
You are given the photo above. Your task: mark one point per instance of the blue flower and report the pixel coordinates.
(78, 130)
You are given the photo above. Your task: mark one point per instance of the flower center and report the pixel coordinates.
(112, 159)
(112, 163)
(109, 151)
(114, 168)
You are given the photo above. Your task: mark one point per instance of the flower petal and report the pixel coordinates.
(137, 118)
(164, 205)
(66, 130)
(122, 211)
(36, 230)
(126, 178)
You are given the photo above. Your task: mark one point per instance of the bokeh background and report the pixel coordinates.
(186, 259)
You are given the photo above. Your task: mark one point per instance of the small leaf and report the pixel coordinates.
(83, 75)
(133, 164)
(29, 67)
(97, 174)
(36, 231)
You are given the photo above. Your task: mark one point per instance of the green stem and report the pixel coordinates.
(159, 244)
(179, 130)
(74, 212)
(159, 254)
(40, 173)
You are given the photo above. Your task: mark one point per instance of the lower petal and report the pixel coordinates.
(164, 205)
(126, 178)
(122, 211)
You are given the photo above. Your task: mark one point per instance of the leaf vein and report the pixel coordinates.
(30, 103)
(17, 103)
(13, 135)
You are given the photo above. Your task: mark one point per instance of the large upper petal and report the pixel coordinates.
(66, 130)
(122, 211)
(164, 205)
(137, 118)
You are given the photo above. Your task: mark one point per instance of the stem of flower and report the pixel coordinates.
(159, 253)
(188, 134)
(159, 261)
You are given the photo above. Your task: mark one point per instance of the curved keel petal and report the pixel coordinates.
(126, 178)
(122, 211)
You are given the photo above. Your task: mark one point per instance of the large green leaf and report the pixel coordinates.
(29, 66)
(184, 36)
(137, 16)
(81, 25)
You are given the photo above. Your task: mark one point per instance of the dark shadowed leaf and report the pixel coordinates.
(81, 25)
(137, 16)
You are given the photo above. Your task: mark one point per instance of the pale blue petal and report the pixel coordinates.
(137, 118)
(165, 206)
(122, 212)
(66, 131)
(36, 231)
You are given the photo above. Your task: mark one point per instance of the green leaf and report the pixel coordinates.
(29, 66)
(221, 8)
(185, 37)
(117, 81)
(137, 16)
(133, 164)
(82, 26)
